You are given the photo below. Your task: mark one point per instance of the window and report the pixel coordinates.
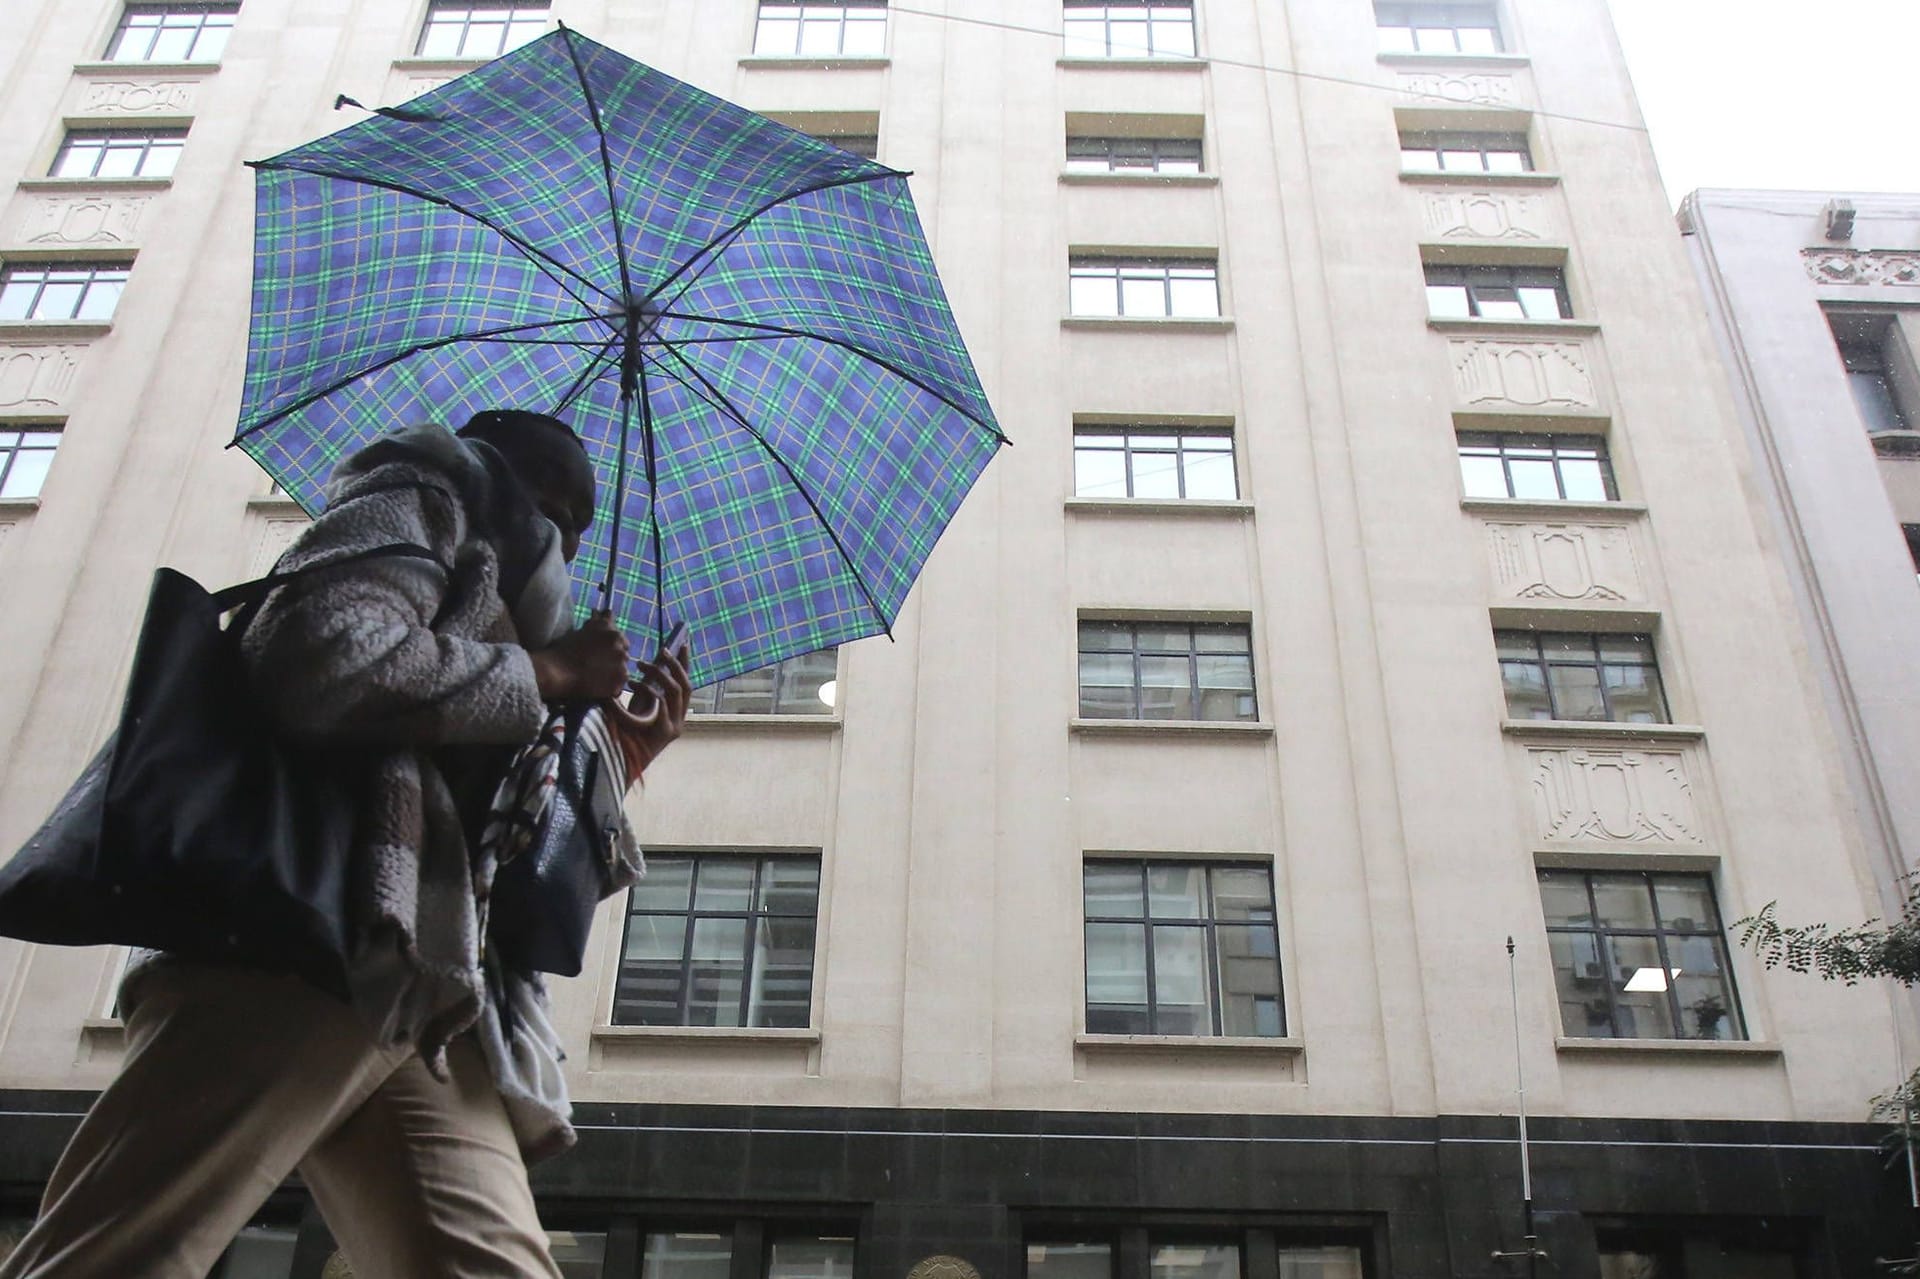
(116, 154)
(60, 291)
(1065, 1255)
(797, 686)
(1194, 1260)
(1540, 468)
(789, 28)
(864, 145)
(1320, 1263)
(1154, 288)
(580, 1254)
(1437, 28)
(1182, 948)
(687, 1255)
(1166, 670)
(457, 30)
(25, 456)
(1133, 155)
(1079, 1259)
(810, 1257)
(718, 940)
(1867, 353)
(1130, 29)
(1558, 675)
(1497, 293)
(172, 33)
(1639, 955)
(1435, 151)
(1153, 462)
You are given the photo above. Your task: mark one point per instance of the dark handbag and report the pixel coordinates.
(197, 830)
(543, 901)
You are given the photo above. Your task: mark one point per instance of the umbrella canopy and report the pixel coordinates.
(743, 324)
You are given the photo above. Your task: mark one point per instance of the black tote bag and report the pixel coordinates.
(196, 829)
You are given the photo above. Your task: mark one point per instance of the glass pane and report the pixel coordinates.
(1177, 892)
(1117, 979)
(1482, 476)
(866, 33)
(668, 884)
(1640, 989)
(258, 1252)
(1686, 903)
(1156, 475)
(1584, 480)
(1418, 160)
(648, 992)
(1182, 991)
(1580, 979)
(1195, 1261)
(1166, 690)
(1702, 988)
(1625, 648)
(1114, 637)
(717, 974)
(1462, 161)
(1143, 295)
(77, 159)
(1226, 687)
(1534, 478)
(162, 157)
(1526, 689)
(1563, 895)
(805, 1258)
(1498, 304)
(1069, 1261)
(1249, 979)
(1164, 638)
(1478, 40)
(1242, 893)
(1086, 36)
(1094, 295)
(1320, 1263)
(776, 35)
(211, 44)
(782, 989)
(579, 1254)
(1127, 34)
(173, 44)
(121, 161)
(1448, 302)
(1623, 901)
(16, 296)
(801, 679)
(1576, 693)
(1633, 692)
(1873, 395)
(1106, 686)
(1099, 472)
(1506, 162)
(1195, 296)
(789, 886)
(1396, 40)
(687, 1256)
(28, 473)
(748, 694)
(441, 40)
(1542, 304)
(1516, 645)
(1210, 477)
(1113, 891)
(817, 37)
(58, 301)
(1221, 639)
(101, 298)
(724, 883)
(1434, 40)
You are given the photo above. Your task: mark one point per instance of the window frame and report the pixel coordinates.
(1484, 143)
(1506, 443)
(1545, 666)
(107, 272)
(1471, 278)
(1149, 8)
(1453, 17)
(1208, 923)
(515, 10)
(1192, 655)
(1090, 266)
(1155, 147)
(202, 10)
(150, 141)
(1128, 432)
(1866, 345)
(1601, 934)
(753, 916)
(840, 21)
(10, 455)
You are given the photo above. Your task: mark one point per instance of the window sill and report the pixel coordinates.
(1121, 323)
(1548, 510)
(1082, 178)
(1158, 506)
(1480, 179)
(1164, 62)
(105, 1031)
(18, 505)
(275, 504)
(817, 62)
(1171, 727)
(1279, 1046)
(1490, 61)
(699, 723)
(1560, 729)
(1441, 324)
(91, 69)
(1681, 1047)
(742, 1035)
(55, 330)
(95, 184)
(458, 66)
(1899, 446)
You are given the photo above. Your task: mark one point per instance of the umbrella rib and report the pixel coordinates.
(485, 335)
(719, 399)
(587, 375)
(539, 257)
(777, 330)
(606, 165)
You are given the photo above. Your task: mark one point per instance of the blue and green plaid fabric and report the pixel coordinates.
(810, 414)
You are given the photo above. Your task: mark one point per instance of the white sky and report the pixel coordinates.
(1778, 93)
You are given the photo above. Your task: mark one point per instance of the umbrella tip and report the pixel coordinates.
(342, 100)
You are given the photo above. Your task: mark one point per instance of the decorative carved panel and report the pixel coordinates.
(1526, 374)
(1610, 795)
(943, 1267)
(1483, 215)
(1545, 561)
(36, 379)
(1862, 266)
(271, 541)
(139, 97)
(1475, 87)
(82, 219)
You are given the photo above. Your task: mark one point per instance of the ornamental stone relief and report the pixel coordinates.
(1483, 215)
(275, 536)
(83, 219)
(1526, 374)
(1608, 796)
(1564, 562)
(37, 378)
(1862, 266)
(943, 1267)
(1485, 90)
(140, 97)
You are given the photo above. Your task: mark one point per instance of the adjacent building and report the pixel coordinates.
(1375, 577)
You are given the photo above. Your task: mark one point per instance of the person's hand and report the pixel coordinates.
(586, 665)
(649, 723)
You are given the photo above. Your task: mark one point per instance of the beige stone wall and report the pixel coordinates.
(954, 798)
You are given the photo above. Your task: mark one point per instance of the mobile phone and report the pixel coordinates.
(678, 643)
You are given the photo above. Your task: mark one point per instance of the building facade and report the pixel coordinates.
(1374, 579)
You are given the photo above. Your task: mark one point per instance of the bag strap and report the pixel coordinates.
(258, 589)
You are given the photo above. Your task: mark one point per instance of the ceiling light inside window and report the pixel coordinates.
(1649, 981)
(830, 691)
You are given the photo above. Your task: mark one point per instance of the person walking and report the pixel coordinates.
(412, 1113)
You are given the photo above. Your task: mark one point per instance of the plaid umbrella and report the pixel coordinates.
(742, 322)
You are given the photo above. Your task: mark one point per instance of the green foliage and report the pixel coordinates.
(1849, 955)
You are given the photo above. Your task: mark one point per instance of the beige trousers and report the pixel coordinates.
(232, 1080)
